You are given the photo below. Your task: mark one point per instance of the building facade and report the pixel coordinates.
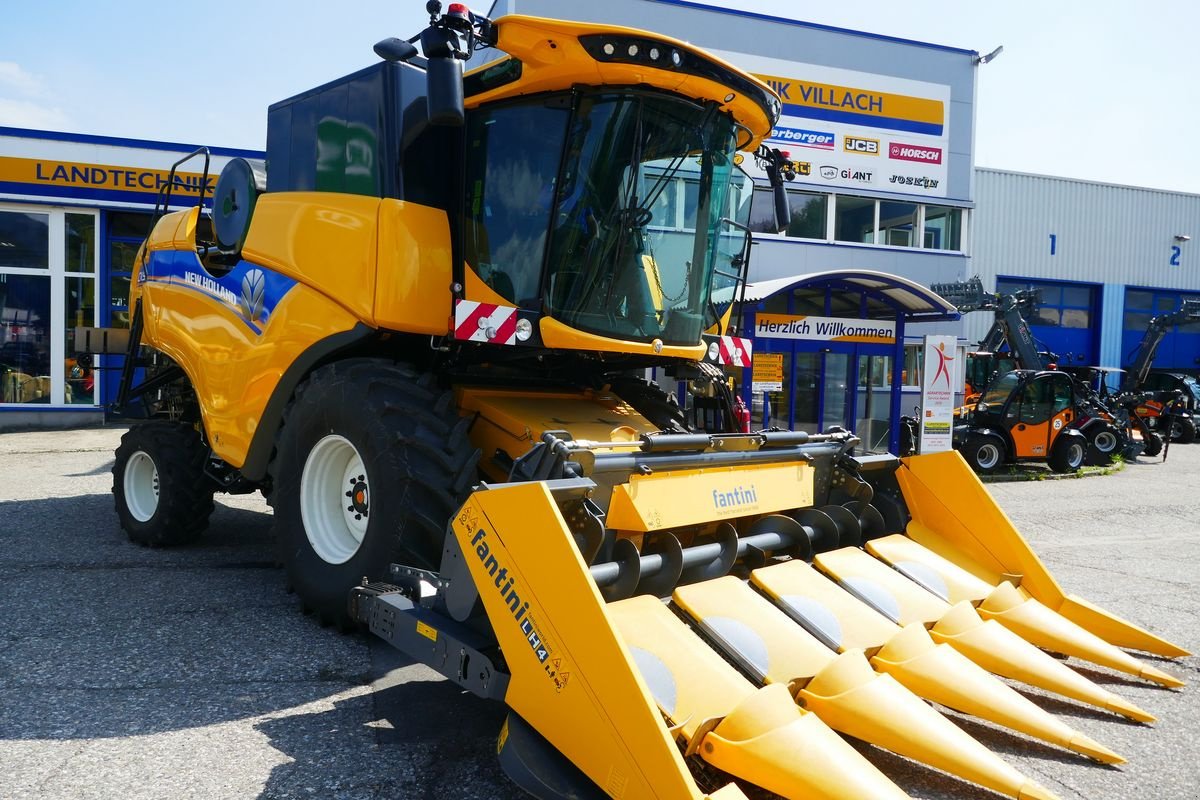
(73, 210)
(1106, 258)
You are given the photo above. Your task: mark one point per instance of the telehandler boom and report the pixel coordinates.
(423, 336)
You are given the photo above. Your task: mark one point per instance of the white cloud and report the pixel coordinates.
(13, 78)
(27, 114)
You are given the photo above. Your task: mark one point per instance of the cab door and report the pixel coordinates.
(1042, 413)
(1062, 410)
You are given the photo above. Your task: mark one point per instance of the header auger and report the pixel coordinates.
(425, 340)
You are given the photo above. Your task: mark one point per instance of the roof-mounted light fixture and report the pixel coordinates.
(989, 56)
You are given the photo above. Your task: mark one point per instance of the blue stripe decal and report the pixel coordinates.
(117, 141)
(248, 291)
(867, 120)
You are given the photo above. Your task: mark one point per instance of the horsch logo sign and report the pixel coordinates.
(912, 152)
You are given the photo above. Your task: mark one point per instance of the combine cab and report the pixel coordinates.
(423, 335)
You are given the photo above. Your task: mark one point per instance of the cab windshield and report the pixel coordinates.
(637, 227)
(999, 392)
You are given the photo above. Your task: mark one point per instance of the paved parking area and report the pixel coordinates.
(190, 673)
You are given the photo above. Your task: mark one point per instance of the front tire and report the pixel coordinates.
(162, 496)
(1153, 444)
(1067, 455)
(983, 453)
(372, 461)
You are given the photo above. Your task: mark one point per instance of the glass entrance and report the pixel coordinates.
(873, 402)
(836, 391)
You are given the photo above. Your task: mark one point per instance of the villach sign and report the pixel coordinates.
(37, 176)
(824, 329)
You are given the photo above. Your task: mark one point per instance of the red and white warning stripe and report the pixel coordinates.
(485, 322)
(734, 351)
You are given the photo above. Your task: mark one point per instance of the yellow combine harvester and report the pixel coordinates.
(424, 338)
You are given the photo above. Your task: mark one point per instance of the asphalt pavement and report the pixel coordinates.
(134, 673)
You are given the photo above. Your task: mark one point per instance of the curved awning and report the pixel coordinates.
(886, 295)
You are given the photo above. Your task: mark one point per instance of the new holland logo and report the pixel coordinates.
(251, 301)
(855, 144)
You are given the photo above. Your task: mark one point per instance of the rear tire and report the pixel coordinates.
(372, 462)
(1104, 445)
(1183, 430)
(162, 496)
(1068, 454)
(983, 453)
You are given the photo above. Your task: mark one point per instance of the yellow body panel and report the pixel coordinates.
(475, 289)
(412, 284)
(323, 239)
(953, 515)
(553, 59)
(232, 371)
(570, 670)
(513, 421)
(557, 335)
(690, 497)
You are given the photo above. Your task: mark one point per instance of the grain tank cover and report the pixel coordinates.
(347, 135)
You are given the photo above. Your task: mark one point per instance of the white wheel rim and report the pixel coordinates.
(334, 499)
(1075, 455)
(141, 486)
(988, 455)
(1106, 442)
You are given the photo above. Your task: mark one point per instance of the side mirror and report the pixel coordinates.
(783, 210)
(394, 49)
(444, 91)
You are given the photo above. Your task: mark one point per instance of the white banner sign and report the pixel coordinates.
(825, 329)
(858, 130)
(937, 394)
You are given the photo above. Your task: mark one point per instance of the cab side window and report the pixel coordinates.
(1063, 394)
(1037, 401)
(512, 164)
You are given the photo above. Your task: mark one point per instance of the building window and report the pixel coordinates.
(898, 221)
(914, 356)
(1061, 306)
(39, 283)
(25, 338)
(854, 220)
(24, 240)
(126, 231)
(943, 228)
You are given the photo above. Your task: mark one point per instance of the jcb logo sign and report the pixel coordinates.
(866, 147)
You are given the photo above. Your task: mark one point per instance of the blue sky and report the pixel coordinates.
(1106, 90)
